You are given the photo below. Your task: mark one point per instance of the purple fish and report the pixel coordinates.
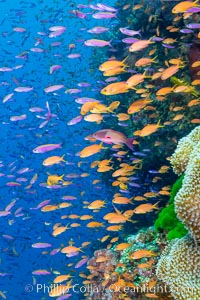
(64, 297)
(56, 33)
(46, 148)
(104, 15)
(54, 251)
(106, 7)
(193, 10)
(23, 170)
(97, 43)
(157, 39)
(36, 109)
(5, 69)
(129, 32)
(18, 118)
(4, 213)
(41, 245)
(133, 184)
(69, 197)
(81, 262)
(57, 28)
(13, 183)
(84, 84)
(41, 272)
(193, 25)
(79, 14)
(73, 91)
(74, 55)
(75, 120)
(98, 30)
(129, 40)
(9, 206)
(168, 46)
(111, 79)
(185, 30)
(83, 100)
(54, 68)
(53, 88)
(7, 98)
(21, 89)
(41, 204)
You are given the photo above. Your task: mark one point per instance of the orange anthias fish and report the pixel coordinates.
(54, 179)
(138, 105)
(90, 150)
(139, 45)
(142, 253)
(184, 6)
(53, 160)
(115, 88)
(149, 129)
(145, 208)
(112, 64)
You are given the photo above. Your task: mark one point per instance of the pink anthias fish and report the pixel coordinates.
(81, 262)
(79, 14)
(57, 28)
(74, 55)
(98, 30)
(75, 120)
(53, 88)
(97, 43)
(41, 204)
(25, 89)
(41, 272)
(104, 15)
(54, 68)
(129, 32)
(7, 97)
(18, 118)
(41, 245)
(46, 148)
(110, 136)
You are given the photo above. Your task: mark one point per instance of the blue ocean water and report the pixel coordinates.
(25, 226)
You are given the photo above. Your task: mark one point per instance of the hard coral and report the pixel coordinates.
(180, 262)
(187, 200)
(179, 268)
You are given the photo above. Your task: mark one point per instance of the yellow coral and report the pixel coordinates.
(179, 268)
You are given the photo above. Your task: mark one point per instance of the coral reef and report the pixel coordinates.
(179, 264)
(167, 219)
(120, 275)
(187, 200)
(179, 267)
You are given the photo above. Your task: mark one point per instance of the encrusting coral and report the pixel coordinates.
(179, 264)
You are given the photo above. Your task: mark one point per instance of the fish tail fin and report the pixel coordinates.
(129, 143)
(63, 158)
(61, 177)
(123, 61)
(156, 205)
